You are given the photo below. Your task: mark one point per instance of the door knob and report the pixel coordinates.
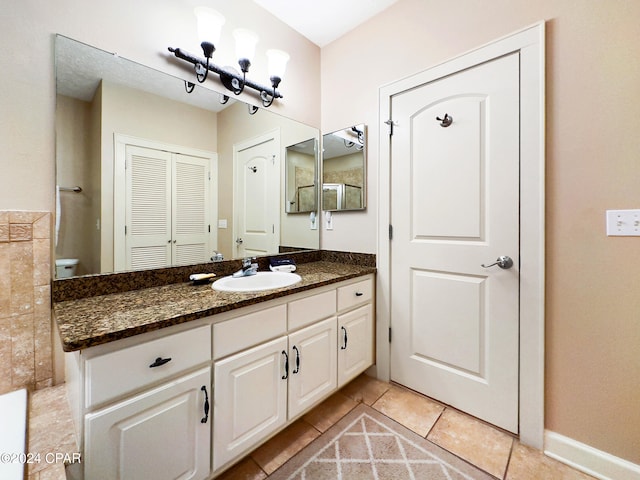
(503, 261)
(239, 240)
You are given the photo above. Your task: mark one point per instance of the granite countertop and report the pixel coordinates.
(101, 319)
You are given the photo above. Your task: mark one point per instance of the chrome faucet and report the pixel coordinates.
(249, 267)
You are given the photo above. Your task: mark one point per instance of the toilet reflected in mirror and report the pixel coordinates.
(66, 267)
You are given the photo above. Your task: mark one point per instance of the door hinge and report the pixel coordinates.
(209, 228)
(125, 229)
(390, 232)
(209, 175)
(389, 334)
(390, 123)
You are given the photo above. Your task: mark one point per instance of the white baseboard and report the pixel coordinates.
(587, 459)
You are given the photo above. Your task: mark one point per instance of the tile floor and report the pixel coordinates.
(480, 444)
(50, 431)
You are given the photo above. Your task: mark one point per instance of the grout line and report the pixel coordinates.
(311, 425)
(434, 424)
(506, 469)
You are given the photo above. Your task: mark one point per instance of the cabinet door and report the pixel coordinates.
(312, 359)
(355, 343)
(148, 209)
(158, 434)
(190, 210)
(250, 399)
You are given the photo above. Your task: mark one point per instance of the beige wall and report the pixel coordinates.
(593, 119)
(78, 165)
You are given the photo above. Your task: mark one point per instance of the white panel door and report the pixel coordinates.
(159, 434)
(455, 191)
(191, 210)
(312, 365)
(250, 399)
(257, 197)
(148, 208)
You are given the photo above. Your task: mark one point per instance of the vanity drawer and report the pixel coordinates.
(126, 370)
(311, 309)
(355, 294)
(246, 331)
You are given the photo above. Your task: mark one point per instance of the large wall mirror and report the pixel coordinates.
(301, 171)
(166, 177)
(344, 172)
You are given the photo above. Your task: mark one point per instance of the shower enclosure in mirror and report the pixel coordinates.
(344, 159)
(300, 174)
(156, 167)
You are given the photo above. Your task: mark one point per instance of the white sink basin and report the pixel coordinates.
(256, 283)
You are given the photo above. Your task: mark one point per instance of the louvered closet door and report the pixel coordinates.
(148, 209)
(190, 209)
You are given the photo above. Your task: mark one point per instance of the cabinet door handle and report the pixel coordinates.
(159, 362)
(206, 405)
(344, 338)
(359, 294)
(286, 365)
(297, 360)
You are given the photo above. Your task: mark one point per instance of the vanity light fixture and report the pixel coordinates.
(359, 135)
(210, 24)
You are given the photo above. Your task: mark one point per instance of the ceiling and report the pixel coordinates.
(324, 21)
(81, 67)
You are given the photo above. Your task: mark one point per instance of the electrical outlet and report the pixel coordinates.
(623, 223)
(329, 220)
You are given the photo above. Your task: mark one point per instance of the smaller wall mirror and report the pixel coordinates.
(344, 160)
(301, 177)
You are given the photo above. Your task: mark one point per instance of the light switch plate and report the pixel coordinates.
(222, 223)
(623, 223)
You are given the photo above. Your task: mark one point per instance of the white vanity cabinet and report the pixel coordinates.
(272, 366)
(143, 406)
(188, 400)
(250, 399)
(312, 365)
(257, 391)
(161, 434)
(355, 330)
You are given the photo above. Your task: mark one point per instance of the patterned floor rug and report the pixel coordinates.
(368, 445)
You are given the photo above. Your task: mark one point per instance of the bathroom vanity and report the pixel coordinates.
(162, 390)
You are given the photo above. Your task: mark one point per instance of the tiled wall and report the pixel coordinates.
(25, 300)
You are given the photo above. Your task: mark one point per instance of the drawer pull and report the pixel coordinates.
(286, 365)
(206, 405)
(344, 344)
(359, 294)
(159, 362)
(297, 369)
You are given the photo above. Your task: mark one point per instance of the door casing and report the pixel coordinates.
(529, 43)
